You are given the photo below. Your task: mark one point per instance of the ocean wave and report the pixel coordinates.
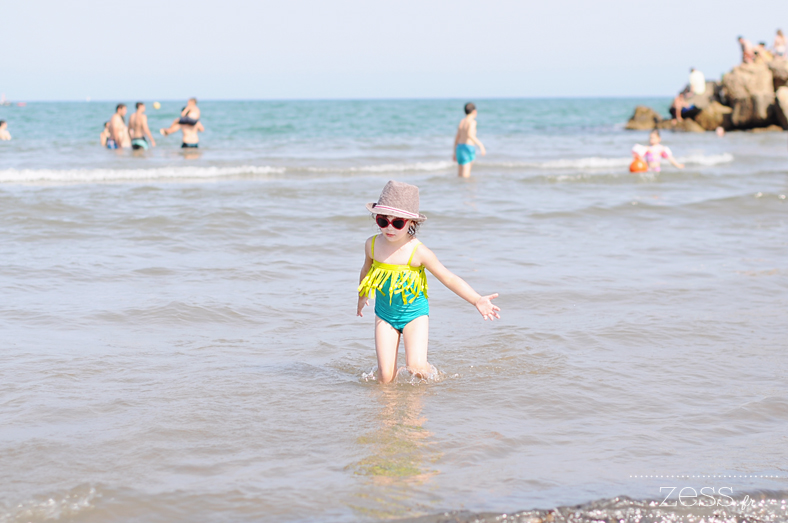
(67, 506)
(108, 175)
(712, 159)
(585, 163)
(185, 173)
(596, 162)
(387, 167)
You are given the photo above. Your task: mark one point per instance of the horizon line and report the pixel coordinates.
(342, 99)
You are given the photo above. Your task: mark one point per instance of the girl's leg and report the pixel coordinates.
(174, 127)
(417, 334)
(386, 346)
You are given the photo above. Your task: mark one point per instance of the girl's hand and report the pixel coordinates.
(486, 308)
(362, 302)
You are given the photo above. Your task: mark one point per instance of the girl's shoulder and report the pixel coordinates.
(420, 253)
(368, 244)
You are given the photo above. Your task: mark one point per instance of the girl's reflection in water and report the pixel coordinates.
(401, 459)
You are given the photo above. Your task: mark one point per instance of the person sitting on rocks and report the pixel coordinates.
(697, 82)
(681, 109)
(747, 50)
(761, 54)
(779, 45)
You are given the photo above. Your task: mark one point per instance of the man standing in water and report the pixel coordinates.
(465, 142)
(190, 138)
(138, 128)
(117, 128)
(188, 123)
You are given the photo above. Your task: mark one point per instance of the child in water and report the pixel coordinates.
(393, 274)
(654, 153)
(106, 138)
(4, 134)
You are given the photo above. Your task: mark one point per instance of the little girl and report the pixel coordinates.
(393, 274)
(654, 153)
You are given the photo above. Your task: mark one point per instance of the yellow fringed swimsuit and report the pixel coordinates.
(399, 291)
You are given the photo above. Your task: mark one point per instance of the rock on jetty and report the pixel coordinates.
(751, 96)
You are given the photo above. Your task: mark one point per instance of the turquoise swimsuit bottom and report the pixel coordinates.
(139, 143)
(399, 291)
(396, 313)
(465, 153)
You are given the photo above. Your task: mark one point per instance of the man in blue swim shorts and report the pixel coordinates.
(141, 137)
(465, 142)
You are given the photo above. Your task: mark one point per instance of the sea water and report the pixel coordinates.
(179, 338)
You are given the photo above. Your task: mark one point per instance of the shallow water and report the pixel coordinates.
(180, 342)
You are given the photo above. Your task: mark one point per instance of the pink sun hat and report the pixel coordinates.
(398, 199)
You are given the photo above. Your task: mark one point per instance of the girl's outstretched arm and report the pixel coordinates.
(457, 285)
(364, 300)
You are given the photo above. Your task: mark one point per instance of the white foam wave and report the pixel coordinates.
(107, 175)
(65, 506)
(579, 163)
(388, 167)
(606, 163)
(586, 163)
(174, 173)
(712, 159)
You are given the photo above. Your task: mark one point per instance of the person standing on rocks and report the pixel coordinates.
(780, 46)
(747, 50)
(761, 54)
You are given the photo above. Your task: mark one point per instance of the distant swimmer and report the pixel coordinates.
(106, 138)
(4, 134)
(139, 131)
(117, 128)
(654, 153)
(190, 138)
(189, 124)
(465, 142)
(190, 115)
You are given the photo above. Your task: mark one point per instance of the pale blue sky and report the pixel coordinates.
(238, 49)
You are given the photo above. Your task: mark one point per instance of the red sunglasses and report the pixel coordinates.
(397, 223)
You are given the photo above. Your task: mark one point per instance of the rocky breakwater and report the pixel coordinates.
(751, 96)
(749, 91)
